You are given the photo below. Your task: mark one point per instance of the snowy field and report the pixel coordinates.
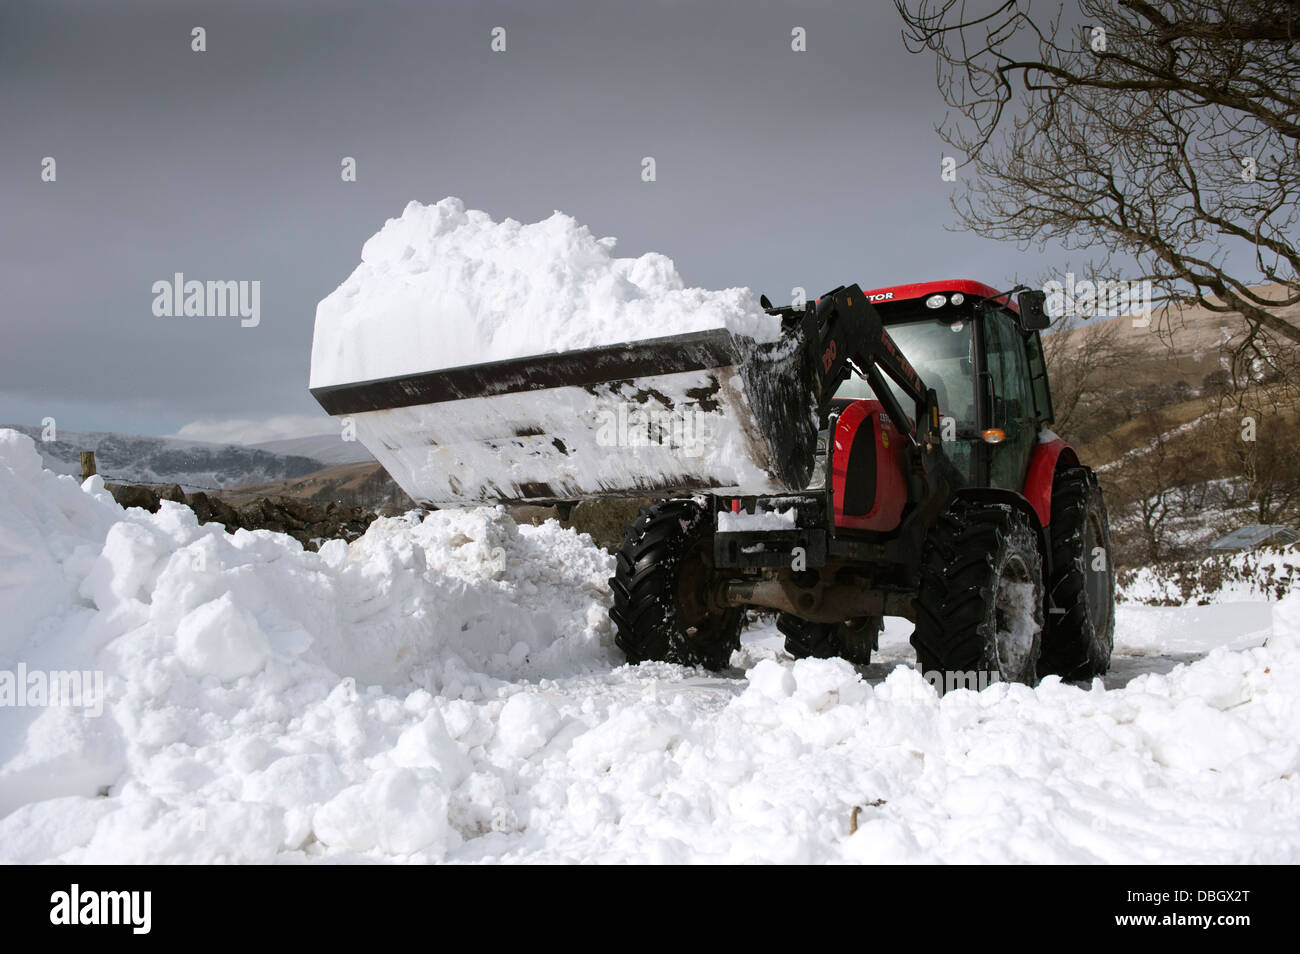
(449, 691)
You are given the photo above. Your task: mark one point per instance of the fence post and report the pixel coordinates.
(88, 465)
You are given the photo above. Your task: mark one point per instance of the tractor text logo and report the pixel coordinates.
(904, 365)
(194, 299)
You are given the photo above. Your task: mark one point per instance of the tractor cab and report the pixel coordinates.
(986, 367)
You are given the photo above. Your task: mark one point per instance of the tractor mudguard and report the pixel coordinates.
(1042, 468)
(992, 496)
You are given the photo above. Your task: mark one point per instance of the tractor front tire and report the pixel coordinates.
(663, 584)
(1081, 632)
(979, 603)
(852, 639)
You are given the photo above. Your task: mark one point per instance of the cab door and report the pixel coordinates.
(1007, 401)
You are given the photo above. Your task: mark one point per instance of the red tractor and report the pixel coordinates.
(886, 454)
(939, 494)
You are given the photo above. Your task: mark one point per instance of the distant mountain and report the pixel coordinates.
(195, 465)
(1190, 334)
(355, 485)
(329, 449)
(1110, 374)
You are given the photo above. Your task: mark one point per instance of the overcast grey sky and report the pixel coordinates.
(775, 168)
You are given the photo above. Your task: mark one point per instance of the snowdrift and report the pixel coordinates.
(445, 690)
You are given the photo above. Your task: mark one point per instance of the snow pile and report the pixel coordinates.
(258, 696)
(445, 690)
(443, 286)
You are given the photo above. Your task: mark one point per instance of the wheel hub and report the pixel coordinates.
(1013, 613)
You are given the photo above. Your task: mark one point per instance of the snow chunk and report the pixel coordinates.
(442, 286)
(221, 639)
(526, 724)
(398, 811)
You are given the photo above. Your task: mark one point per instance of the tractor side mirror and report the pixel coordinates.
(1033, 310)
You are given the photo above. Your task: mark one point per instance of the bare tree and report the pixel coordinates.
(1148, 486)
(1257, 425)
(1081, 364)
(1143, 500)
(1165, 133)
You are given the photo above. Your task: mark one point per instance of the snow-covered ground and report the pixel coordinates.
(449, 691)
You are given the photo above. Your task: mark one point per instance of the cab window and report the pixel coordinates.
(1010, 407)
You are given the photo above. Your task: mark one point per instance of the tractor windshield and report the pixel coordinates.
(941, 353)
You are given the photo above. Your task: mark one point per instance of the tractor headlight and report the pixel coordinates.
(957, 298)
(936, 301)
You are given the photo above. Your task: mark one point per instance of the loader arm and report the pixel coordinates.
(845, 333)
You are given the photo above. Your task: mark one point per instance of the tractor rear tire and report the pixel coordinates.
(979, 604)
(1081, 635)
(852, 639)
(662, 584)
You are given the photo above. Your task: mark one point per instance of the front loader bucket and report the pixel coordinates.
(706, 411)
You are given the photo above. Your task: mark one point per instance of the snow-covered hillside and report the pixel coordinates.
(195, 465)
(448, 690)
(326, 448)
(1269, 572)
